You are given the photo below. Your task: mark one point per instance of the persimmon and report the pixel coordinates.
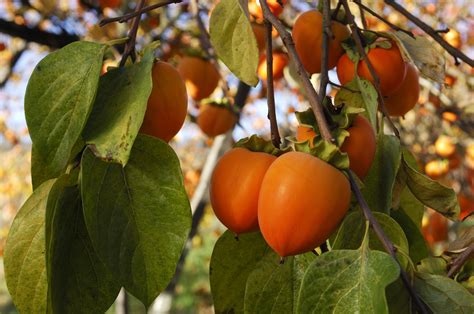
(466, 204)
(168, 103)
(215, 120)
(200, 76)
(444, 146)
(280, 61)
(435, 227)
(259, 32)
(110, 3)
(435, 169)
(388, 65)
(276, 7)
(360, 145)
(307, 35)
(235, 187)
(449, 116)
(406, 97)
(453, 37)
(302, 201)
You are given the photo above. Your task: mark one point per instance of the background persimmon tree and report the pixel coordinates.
(110, 207)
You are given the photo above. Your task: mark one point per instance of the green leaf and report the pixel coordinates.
(272, 287)
(350, 234)
(233, 39)
(78, 281)
(360, 93)
(380, 180)
(138, 217)
(433, 266)
(443, 295)
(412, 207)
(119, 110)
(58, 101)
(417, 245)
(255, 143)
(24, 258)
(347, 281)
(431, 193)
(398, 298)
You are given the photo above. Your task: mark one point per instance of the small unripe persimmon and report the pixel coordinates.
(406, 96)
(167, 105)
(200, 76)
(302, 201)
(235, 187)
(215, 120)
(280, 61)
(388, 65)
(307, 34)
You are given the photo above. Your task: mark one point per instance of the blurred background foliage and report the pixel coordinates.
(439, 131)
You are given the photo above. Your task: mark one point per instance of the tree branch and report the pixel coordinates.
(327, 36)
(132, 35)
(357, 39)
(387, 244)
(456, 53)
(460, 260)
(302, 74)
(36, 35)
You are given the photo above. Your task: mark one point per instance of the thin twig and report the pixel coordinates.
(302, 74)
(456, 53)
(129, 16)
(460, 260)
(362, 18)
(275, 134)
(327, 36)
(372, 12)
(132, 35)
(360, 47)
(387, 244)
(336, 10)
(344, 87)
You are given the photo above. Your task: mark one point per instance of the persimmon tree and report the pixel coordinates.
(325, 220)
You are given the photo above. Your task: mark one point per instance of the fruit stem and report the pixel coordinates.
(311, 93)
(387, 244)
(327, 36)
(456, 53)
(360, 47)
(132, 36)
(275, 134)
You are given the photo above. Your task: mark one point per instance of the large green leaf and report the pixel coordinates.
(398, 298)
(78, 281)
(24, 259)
(347, 281)
(233, 39)
(412, 207)
(138, 217)
(443, 295)
(350, 234)
(379, 183)
(431, 193)
(119, 110)
(416, 242)
(58, 101)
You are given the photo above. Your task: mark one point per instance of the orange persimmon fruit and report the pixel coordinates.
(215, 120)
(200, 76)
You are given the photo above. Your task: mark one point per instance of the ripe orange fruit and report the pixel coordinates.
(280, 61)
(167, 105)
(453, 37)
(256, 10)
(388, 65)
(360, 145)
(110, 3)
(444, 146)
(406, 97)
(436, 168)
(259, 32)
(215, 120)
(307, 35)
(235, 186)
(302, 200)
(200, 76)
(435, 227)
(466, 204)
(449, 116)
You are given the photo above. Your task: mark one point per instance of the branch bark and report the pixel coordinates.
(460, 260)
(327, 36)
(132, 36)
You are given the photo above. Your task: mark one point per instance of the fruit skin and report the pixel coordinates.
(436, 169)
(388, 65)
(435, 228)
(280, 61)
(406, 97)
(256, 10)
(110, 3)
(302, 200)
(259, 32)
(200, 76)
(360, 145)
(235, 186)
(445, 147)
(215, 120)
(307, 36)
(167, 105)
